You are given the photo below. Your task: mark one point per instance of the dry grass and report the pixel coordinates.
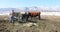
(46, 24)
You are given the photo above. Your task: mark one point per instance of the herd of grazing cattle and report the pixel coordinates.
(26, 15)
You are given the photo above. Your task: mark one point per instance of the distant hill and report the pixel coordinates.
(8, 9)
(2, 10)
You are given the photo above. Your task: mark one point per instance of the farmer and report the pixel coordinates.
(12, 17)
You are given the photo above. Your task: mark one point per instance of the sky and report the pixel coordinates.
(28, 3)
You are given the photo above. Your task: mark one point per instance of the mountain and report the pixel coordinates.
(44, 9)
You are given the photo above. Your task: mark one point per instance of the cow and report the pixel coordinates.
(16, 16)
(31, 14)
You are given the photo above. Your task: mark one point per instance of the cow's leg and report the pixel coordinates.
(22, 18)
(27, 17)
(39, 17)
(31, 17)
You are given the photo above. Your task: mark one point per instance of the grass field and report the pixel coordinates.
(46, 24)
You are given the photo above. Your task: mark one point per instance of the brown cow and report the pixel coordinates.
(31, 14)
(34, 14)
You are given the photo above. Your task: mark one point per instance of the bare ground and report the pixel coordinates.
(46, 24)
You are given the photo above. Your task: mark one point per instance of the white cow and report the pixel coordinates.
(18, 15)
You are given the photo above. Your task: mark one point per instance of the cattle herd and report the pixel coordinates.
(24, 15)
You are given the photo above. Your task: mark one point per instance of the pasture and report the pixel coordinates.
(46, 24)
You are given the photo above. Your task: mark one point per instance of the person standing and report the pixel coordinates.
(12, 17)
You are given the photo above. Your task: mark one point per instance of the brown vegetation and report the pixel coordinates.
(46, 24)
